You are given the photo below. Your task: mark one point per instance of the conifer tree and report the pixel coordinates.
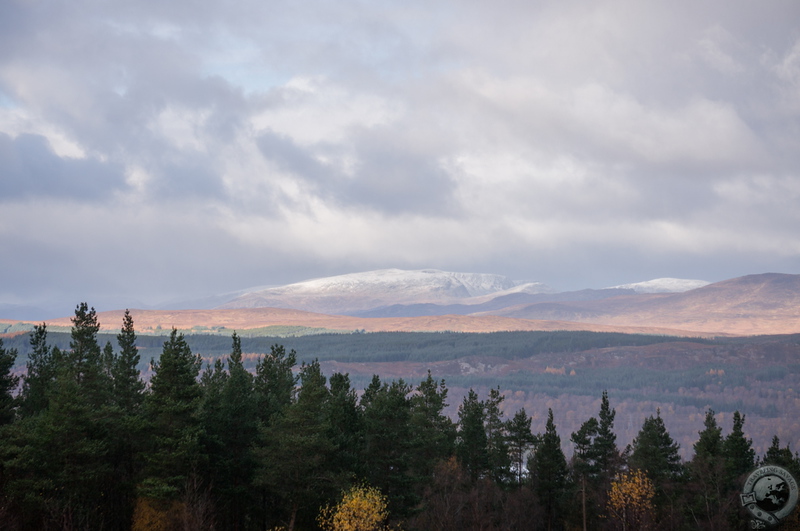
(708, 491)
(239, 423)
(212, 420)
(585, 465)
(8, 385)
(128, 386)
(62, 450)
(433, 432)
(604, 447)
(738, 450)
(388, 445)
(496, 445)
(585, 458)
(783, 457)
(293, 453)
(40, 374)
(275, 382)
(84, 361)
(172, 408)
(127, 437)
(212, 383)
(471, 442)
(371, 391)
(596, 460)
(520, 440)
(549, 474)
(656, 453)
(346, 423)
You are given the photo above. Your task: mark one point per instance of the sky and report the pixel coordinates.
(157, 151)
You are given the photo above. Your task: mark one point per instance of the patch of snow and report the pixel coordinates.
(663, 285)
(399, 281)
(358, 291)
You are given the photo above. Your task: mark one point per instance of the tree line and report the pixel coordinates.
(389, 346)
(85, 443)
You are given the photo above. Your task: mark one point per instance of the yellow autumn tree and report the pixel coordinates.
(361, 509)
(630, 501)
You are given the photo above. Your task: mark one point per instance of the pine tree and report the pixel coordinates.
(172, 408)
(433, 432)
(739, 459)
(496, 445)
(656, 453)
(709, 499)
(239, 421)
(84, 361)
(585, 458)
(128, 386)
(471, 442)
(293, 453)
(388, 445)
(275, 382)
(8, 385)
(346, 423)
(41, 373)
(604, 447)
(212, 383)
(596, 460)
(61, 451)
(520, 440)
(738, 450)
(783, 457)
(584, 464)
(549, 473)
(129, 427)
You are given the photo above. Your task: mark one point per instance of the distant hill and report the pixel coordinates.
(225, 321)
(402, 293)
(431, 300)
(755, 304)
(499, 302)
(664, 285)
(356, 292)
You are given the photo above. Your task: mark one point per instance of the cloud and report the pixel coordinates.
(29, 167)
(253, 143)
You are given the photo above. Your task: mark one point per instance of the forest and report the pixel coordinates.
(86, 442)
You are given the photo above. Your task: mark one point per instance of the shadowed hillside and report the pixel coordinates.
(755, 304)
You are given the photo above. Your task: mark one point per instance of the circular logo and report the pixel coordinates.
(770, 495)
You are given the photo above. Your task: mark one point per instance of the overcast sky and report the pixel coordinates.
(154, 150)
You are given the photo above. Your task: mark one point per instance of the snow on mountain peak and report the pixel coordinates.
(400, 281)
(357, 291)
(663, 285)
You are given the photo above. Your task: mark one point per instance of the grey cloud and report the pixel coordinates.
(287, 155)
(29, 167)
(186, 178)
(139, 84)
(387, 176)
(400, 180)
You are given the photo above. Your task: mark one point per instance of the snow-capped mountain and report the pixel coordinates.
(371, 289)
(663, 285)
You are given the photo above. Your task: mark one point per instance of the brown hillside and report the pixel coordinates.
(750, 305)
(242, 319)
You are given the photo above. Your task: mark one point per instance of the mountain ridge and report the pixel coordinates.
(760, 304)
(354, 292)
